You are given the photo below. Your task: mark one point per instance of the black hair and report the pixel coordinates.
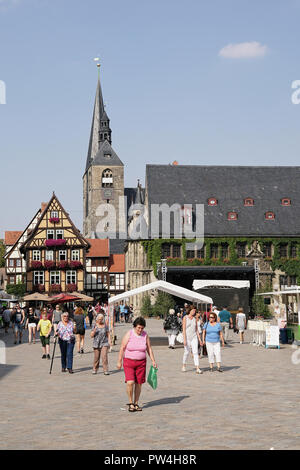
(139, 321)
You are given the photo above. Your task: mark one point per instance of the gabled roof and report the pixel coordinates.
(117, 264)
(99, 248)
(22, 233)
(230, 185)
(83, 241)
(101, 157)
(11, 237)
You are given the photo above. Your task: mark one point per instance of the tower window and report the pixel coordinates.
(232, 216)
(285, 201)
(269, 215)
(212, 201)
(248, 201)
(107, 178)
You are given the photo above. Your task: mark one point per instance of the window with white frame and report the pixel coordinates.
(11, 279)
(120, 281)
(11, 263)
(49, 255)
(75, 256)
(54, 277)
(112, 280)
(62, 255)
(71, 277)
(50, 234)
(38, 277)
(54, 215)
(59, 234)
(18, 263)
(36, 255)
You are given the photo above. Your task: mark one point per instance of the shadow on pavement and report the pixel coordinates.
(5, 369)
(165, 401)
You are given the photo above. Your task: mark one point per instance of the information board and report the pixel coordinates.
(272, 336)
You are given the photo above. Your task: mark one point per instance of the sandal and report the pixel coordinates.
(131, 407)
(137, 407)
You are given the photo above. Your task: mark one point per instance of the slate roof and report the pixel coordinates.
(230, 185)
(100, 158)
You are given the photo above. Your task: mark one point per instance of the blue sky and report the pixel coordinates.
(170, 95)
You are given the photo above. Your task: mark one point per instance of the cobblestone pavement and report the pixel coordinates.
(254, 404)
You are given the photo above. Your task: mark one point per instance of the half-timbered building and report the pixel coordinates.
(55, 253)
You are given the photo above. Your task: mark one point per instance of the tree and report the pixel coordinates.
(2, 253)
(17, 290)
(258, 305)
(163, 304)
(147, 308)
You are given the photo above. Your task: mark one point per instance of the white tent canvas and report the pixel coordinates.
(165, 287)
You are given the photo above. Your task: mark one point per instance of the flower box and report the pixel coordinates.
(71, 287)
(55, 288)
(36, 264)
(75, 264)
(39, 288)
(62, 264)
(54, 220)
(53, 242)
(49, 264)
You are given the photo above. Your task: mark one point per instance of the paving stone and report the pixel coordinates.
(252, 405)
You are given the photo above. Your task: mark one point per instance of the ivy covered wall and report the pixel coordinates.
(291, 266)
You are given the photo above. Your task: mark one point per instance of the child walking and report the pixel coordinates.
(45, 327)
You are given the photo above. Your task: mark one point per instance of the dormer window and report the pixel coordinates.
(285, 201)
(248, 201)
(269, 215)
(232, 216)
(107, 178)
(212, 201)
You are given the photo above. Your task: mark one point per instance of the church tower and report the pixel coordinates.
(103, 179)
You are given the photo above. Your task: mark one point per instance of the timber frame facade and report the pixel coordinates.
(55, 253)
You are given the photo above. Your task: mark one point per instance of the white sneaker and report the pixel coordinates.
(199, 371)
(241, 342)
(183, 369)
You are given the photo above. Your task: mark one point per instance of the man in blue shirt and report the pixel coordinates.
(226, 322)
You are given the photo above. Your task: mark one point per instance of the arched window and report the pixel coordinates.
(248, 201)
(107, 178)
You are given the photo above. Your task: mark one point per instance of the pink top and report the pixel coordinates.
(136, 347)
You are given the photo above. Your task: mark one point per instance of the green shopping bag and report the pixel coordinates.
(152, 377)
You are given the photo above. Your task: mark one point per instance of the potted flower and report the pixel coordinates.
(75, 264)
(48, 264)
(55, 242)
(62, 264)
(71, 287)
(36, 264)
(55, 288)
(54, 220)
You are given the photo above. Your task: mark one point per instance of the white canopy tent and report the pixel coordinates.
(205, 283)
(293, 291)
(165, 287)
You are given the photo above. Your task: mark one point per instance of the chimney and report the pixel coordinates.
(43, 206)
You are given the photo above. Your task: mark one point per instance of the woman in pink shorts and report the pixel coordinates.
(133, 350)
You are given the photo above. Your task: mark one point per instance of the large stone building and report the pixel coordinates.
(250, 215)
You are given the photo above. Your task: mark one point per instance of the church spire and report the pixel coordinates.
(100, 130)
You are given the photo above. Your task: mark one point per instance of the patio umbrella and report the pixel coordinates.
(61, 298)
(83, 297)
(37, 296)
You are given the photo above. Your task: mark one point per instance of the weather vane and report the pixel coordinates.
(96, 59)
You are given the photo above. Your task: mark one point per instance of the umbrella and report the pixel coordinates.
(37, 296)
(83, 297)
(61, 298)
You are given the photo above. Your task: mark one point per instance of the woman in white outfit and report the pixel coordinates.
(212, 335)
(241, 323)
(191, 338)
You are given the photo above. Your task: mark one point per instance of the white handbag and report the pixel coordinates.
(179, 338)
